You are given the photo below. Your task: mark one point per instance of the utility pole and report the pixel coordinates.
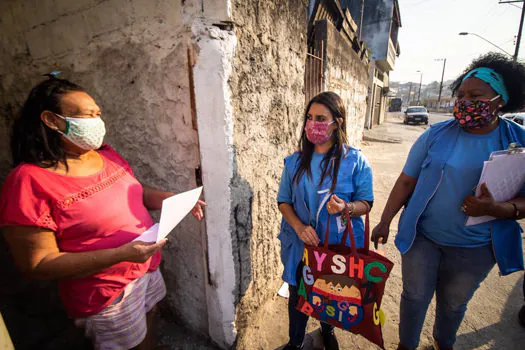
(419, 93)
(441, 84)
(519, 33)
(518, 39)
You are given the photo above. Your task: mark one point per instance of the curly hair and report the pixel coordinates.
(31, 140)
(513, 74)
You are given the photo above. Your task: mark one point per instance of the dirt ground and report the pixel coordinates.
(491, 320)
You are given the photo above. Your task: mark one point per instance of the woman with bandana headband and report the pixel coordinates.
(439, 253)
(70, 210)
(325, 177)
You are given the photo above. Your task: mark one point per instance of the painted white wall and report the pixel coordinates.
(215, 126)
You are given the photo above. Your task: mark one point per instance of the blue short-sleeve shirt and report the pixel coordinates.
(362, 182)
(443, 221)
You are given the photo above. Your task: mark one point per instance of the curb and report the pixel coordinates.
(376, 139)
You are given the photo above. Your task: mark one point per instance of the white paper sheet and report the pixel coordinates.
(504, 176)
(284, 291)
(174, 209)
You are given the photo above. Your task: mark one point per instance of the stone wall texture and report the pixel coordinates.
(346, 75)
(131, 56)
(268, 100)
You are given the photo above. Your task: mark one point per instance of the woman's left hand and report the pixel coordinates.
(479, 206)
(335, 205)
(197, 210)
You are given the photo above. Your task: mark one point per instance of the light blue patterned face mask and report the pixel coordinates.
(86, 133)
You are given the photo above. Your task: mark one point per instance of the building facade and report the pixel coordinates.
(381, 21)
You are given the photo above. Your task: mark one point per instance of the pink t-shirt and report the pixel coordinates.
(100, 211)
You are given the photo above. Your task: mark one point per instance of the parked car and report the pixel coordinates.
(518, 118)
(416, 114)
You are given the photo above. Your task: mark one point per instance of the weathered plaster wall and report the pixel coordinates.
(268, 100)
(131, 55)
(346, 75)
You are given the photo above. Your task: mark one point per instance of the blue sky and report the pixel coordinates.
(430, 30)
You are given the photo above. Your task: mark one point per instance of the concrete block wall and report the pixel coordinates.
(131, 56)
(268, 102)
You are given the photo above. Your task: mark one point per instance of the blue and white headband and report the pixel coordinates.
(492, 78)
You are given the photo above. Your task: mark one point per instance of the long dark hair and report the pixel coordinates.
(31, 140)
(332, 159)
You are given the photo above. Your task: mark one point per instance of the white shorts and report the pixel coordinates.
(122, 324)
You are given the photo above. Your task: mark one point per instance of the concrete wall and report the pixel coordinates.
(131, 56)
(346, 75)
(212, 72)
(140, 59)
(268, 101)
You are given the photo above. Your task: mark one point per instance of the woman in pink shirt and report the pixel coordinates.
(70, 210)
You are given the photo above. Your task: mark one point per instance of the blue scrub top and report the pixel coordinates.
(443, 221)
(362, 184)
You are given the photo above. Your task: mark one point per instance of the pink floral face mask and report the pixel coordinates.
(317, 132)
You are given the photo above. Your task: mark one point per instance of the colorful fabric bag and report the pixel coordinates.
(344, 286)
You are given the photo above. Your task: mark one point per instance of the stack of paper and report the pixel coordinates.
(504, 174)
(174, 209)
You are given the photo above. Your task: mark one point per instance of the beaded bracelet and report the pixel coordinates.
(347, 208)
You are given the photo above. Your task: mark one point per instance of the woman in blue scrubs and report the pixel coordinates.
(324, 177)
(441, 254)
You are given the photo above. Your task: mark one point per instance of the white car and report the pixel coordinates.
(518, 118)
(416, 114)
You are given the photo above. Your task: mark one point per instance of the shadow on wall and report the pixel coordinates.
(33, 311)
(241, 229)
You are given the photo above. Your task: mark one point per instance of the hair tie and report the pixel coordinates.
(52, 75)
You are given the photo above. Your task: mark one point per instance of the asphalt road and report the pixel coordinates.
(434, 117)
(439, 117)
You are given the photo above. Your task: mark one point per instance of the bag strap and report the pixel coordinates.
(349, 231)
(367, 226)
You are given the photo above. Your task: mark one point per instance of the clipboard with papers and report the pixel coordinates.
(504, 174)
